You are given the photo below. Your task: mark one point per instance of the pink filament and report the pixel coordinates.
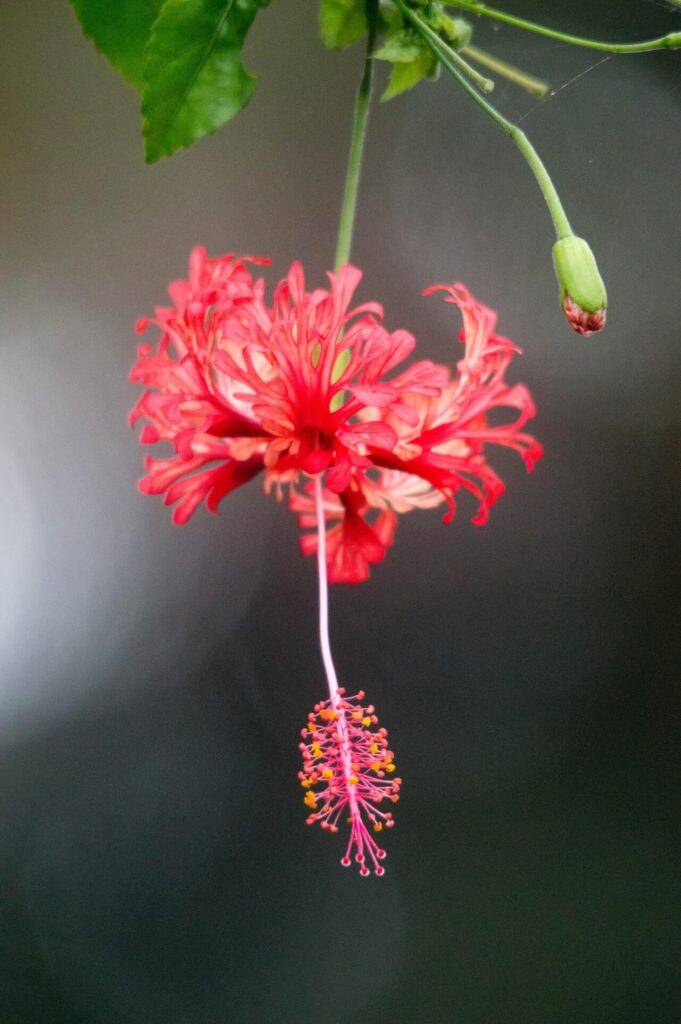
(329, 668)
(327, 659)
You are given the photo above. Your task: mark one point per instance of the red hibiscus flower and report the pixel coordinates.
(303, 388)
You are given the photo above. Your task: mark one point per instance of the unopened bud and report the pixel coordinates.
(456, 31)
(582, 292)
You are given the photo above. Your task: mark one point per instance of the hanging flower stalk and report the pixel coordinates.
(313, 394)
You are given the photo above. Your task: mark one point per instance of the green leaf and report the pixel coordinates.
(119, 30)
(342, 22)
(401, 48)
(405, 76)
(194, 81)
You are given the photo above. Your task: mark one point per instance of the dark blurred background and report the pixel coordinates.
(155, 862)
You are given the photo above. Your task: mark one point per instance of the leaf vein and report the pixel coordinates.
(170, 121)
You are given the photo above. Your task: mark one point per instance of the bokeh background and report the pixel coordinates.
(155, 862)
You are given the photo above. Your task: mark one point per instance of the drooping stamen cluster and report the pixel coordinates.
(348, 771)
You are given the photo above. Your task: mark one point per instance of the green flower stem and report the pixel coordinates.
(443, 54)
(671, 41)
(533, 85)
(349, 207)
(359, 128)
(486, 84)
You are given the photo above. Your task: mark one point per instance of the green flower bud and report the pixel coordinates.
(582, 292)
(456, 31)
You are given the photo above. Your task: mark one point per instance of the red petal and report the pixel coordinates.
(374, 433)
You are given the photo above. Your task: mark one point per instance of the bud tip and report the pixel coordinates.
(582, 320)
(582, 292)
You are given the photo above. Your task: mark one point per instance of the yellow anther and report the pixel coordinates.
(356, 715)
(366, 720)
(305, 783)
(378, 827)
(395, 798)
(353, 780)
(355, 766)
(390, 767)
(311, 726)
(310, 799)
(316, 751)
(376, 766)
(374, 748)
(327, 774)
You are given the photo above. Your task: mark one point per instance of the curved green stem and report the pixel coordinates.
(359, 127)
(671, 41)
(443, 54)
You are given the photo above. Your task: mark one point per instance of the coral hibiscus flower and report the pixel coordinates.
(303, 387)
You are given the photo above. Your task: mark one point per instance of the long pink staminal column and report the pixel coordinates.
(329, 667)
(325, 644)
(345, 753)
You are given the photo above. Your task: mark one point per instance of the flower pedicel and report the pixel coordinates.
(302, 392)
